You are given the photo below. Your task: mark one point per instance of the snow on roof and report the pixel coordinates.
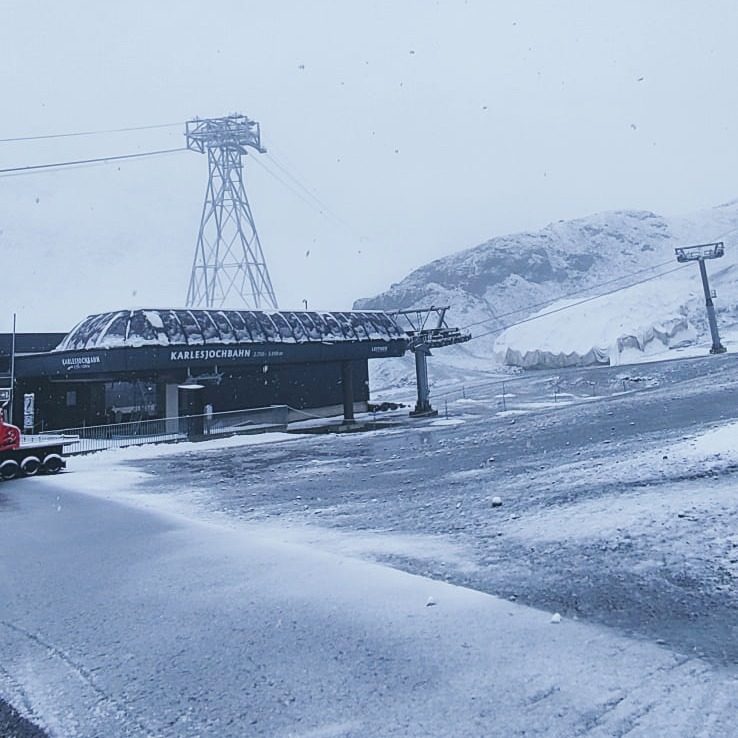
(189, 327)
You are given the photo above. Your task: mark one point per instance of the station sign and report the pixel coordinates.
(29, 412)
(151, 358)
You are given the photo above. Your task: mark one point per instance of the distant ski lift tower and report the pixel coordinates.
(699, 253)
(229, 267)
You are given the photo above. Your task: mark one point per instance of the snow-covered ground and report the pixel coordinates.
(180, 628)
(368, 585)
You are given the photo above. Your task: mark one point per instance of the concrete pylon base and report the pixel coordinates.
(429, 413)
(347, 426)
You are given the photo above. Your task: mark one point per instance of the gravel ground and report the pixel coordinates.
(565, 472)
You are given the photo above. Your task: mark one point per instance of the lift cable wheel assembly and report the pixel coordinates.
(426, 329)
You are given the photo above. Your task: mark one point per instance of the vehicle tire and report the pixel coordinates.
(53, 464)
(30, 465)
(8, 469)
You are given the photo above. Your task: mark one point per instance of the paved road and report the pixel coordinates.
(13, 725)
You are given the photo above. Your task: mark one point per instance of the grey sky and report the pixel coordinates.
(425, 127)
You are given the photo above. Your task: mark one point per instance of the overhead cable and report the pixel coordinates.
(284, 182)
(89, 133)
(103, 159)
(307, 190)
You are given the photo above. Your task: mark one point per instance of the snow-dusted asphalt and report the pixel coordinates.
(234, 593)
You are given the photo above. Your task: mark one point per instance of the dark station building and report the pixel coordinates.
(128, 364)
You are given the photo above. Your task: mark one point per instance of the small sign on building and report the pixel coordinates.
(4, 395)
(29, 412)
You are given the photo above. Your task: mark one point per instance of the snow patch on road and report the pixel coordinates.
(376, 545)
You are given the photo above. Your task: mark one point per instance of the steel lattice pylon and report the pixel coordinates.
(229, 266)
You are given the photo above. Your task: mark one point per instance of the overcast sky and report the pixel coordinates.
(425, 127)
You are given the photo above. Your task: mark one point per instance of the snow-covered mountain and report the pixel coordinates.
(509, 278)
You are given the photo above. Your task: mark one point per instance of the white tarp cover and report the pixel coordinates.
(611, 329)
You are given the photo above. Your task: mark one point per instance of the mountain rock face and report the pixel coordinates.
(510, 278)
(509, 272)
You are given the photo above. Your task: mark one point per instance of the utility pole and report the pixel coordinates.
(700, 253)
(12, 373)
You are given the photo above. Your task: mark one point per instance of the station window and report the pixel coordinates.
(71, 398)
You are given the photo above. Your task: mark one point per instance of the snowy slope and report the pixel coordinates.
(510, 278)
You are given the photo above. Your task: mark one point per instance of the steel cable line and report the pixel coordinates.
(10, 171)
(569, 294)
(89, 133)
(284, 182)
(575, 304)
(280, 161)
(294, 179)
(307, 190)
(311, 200)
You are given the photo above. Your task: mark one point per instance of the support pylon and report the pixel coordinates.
(699, 253)
(229, 269)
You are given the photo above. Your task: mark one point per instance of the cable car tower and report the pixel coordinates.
(229, 267)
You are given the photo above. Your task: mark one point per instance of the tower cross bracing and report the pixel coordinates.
(229, 269)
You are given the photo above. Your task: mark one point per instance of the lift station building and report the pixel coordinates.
(128, 364)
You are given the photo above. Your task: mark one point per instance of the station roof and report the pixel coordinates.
(187, 327)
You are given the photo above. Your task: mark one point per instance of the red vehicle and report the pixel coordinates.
(18, 459)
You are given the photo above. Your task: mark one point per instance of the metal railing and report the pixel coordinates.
(166, 430)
